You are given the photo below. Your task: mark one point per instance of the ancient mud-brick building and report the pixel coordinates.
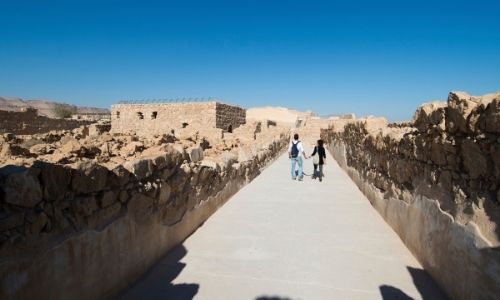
(158, 118)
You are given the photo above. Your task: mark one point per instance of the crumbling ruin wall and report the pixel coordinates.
(161, 118)
(29, 122)
(94, 117)
(310, 131)
(437, 183)
(229, 117)
(87, 230)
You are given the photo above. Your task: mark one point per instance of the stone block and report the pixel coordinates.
(228, 158)
(123, 196)
(429, 114)
(55, 180)
(72, 146)
(245, 154)
(165, 191)
(39, 223)
(60, 219)
(89, 177)
(209, 163)
(181, 150)
(84, 206)
(159, 161)
(495, 156)
(104, 216)
(460, 106)
(438, 154)
(140, 168)
(11, 220)
(195, 153)
(474, 161)
(374, 124)
(107, 198)
(119, 176)
(491, 117)
(139, 207)
(97, 129)
(21, 186)
(41, 149)
(131, 149)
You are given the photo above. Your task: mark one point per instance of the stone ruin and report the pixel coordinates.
(90, 199)
(27, 121)
(310, 130)
(306, 124)
(436, 181)
(160, 118)
(91, 116)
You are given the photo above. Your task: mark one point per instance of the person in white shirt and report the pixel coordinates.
(295, 149)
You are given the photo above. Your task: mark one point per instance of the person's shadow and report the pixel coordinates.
(157, 282)
(425, 285)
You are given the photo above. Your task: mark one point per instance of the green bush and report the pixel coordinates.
(62, 110)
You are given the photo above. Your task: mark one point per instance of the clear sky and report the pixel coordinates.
(367, 57)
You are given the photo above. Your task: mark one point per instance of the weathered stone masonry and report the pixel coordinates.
(84, 231)
(29, 122)
(161, 118)
(229, 117)
(437, 183)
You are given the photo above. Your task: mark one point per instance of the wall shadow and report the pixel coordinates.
(157, 282)
(391, 293)
(272, 298)
(426, 287)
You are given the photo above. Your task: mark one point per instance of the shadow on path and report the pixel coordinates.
(157, 282)
(425, 285)
(391, 293)
(272, 298)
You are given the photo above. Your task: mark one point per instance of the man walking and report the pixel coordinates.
(295, 149)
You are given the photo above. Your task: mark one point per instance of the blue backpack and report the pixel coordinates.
(295, 149)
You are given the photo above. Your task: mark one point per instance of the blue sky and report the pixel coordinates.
(368, 57)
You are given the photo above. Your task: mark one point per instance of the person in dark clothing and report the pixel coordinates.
(319, 159)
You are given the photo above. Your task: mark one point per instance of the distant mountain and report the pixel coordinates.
(44, 107)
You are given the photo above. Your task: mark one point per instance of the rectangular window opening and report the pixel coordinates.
(140, 115)
(154, 115)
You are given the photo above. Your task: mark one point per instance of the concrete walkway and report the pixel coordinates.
(284, 239)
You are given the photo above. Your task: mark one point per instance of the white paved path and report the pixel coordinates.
(284, 239)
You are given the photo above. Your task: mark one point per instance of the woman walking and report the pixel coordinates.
(319, 159)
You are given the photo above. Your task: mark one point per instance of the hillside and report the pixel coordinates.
(44, 107)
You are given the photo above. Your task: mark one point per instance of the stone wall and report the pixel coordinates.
(229, 117)
(310, 131)
(437, 183)
(29, 122)
(87, 230)
(94, 117)
(161, 118)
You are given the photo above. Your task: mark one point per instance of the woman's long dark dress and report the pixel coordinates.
(322, 156)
